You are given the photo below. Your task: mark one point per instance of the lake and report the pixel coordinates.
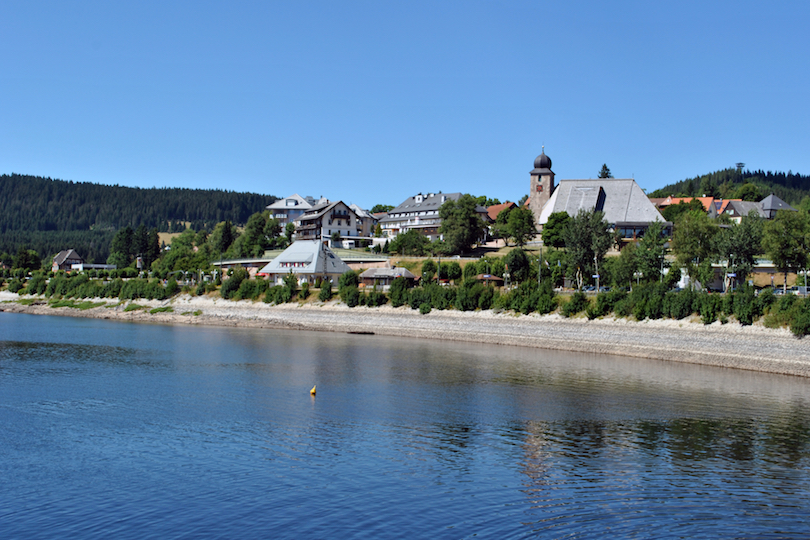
(122, 430)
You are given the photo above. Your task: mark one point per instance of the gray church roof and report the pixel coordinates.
(621, 200)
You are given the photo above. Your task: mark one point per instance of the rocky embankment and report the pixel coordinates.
(730, 345)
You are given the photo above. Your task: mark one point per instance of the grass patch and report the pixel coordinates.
(194, 313)
(63, 303)
(87, 304)
(133, 307)
(24, 301)
(165, 309)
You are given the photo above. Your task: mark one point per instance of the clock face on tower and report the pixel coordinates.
(539, 188)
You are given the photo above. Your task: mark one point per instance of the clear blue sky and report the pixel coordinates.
(371, 102)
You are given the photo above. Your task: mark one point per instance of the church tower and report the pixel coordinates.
(541, 185)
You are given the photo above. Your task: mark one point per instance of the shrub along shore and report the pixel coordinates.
(741, 329)
(650, 301)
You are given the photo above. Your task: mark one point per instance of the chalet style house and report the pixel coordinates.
(64, 260)
(289, 209)
(326, 218)
(766, 208)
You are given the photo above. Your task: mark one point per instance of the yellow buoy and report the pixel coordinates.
(313, 390)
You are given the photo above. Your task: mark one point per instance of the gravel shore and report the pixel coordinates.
(731, 345)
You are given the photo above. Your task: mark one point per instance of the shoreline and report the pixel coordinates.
(753, 348)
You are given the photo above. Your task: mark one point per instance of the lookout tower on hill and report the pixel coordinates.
(542, 184)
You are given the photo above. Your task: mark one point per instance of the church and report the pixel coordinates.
(625, 206)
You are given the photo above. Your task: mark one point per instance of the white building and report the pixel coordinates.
(327, 218)
(309, 260)
(289, 209)
(421, 213)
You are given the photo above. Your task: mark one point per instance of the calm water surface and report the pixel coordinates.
(120, 430)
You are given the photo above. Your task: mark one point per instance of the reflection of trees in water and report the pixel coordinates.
(577, 450)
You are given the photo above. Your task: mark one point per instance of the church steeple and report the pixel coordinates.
(541, 183)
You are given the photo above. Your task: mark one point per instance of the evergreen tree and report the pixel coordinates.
(605, 172)
(122, 247)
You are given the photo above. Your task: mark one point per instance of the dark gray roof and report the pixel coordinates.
(742, 208)
(621, 200)
(62, 256)
(542, 163)
(429, 203)
(772, 203)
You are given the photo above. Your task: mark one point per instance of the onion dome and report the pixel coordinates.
(542, 161)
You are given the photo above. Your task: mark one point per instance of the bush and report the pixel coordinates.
(442, 297)
(766, 299)
(348, 279)
(399, 292)
(745, 305)
(231, 285)
(303, 294)
(418, 296)
(273, 295)
(486, 298)
(576, 304)
(290, 287)
(376, 298)
(326, 291)
(15, 285)
(350, 295)
(678, 305)
(800, 321)
(709, 307)
(467, 296)
(171, 287)
(36, 285)
(606, 302)
(424, 309)
(428, 270)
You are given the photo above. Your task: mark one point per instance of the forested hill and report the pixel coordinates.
(51, 215)
(790, 187)
(43, 204)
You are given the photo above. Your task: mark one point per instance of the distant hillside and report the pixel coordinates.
(50, 215)
(790, 187)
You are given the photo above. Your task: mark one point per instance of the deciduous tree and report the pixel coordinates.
(786, 240)
(520, 225)
(554, 229)
(461, 225)
(692, 241)
(587, 239)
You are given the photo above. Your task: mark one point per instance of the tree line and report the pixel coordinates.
(49, 215)
(791, 187)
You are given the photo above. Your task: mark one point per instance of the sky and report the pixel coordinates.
(373, 102)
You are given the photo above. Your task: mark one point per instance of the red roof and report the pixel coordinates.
(494, 210)
(707, 202)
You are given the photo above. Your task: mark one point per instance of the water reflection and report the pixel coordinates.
(128, 430)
